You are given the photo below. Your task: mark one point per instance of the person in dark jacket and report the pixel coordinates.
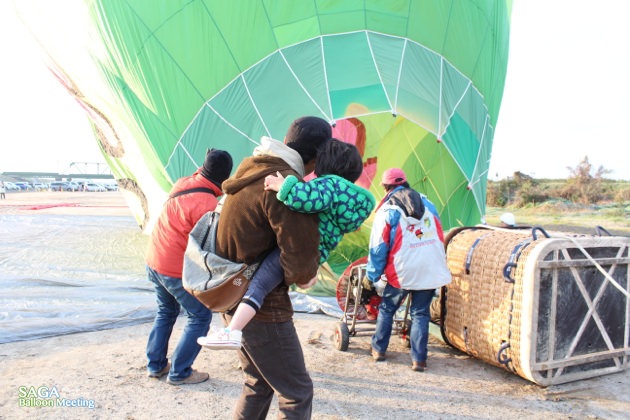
(253, 223)
(165, 262)
(341, 205)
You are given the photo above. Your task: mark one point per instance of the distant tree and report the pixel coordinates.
(520, 178)
(584, 185)
(530, 192)
(502, 193)
(583, 172)
(622, 195)
(518, 190)
(495, 194)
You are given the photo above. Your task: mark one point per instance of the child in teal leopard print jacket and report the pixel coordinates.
(341, 206)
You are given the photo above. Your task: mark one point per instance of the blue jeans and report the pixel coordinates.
(170, 295)
(269, 275)
(420, 317)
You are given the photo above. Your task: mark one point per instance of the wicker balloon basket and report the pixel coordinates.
(549, 307)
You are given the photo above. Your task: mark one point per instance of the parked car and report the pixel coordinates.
(24, 186)
(40, 186)
(92, 187)
(60, 186)
(10, 186)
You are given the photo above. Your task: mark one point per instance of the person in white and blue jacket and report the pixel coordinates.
(406, 256)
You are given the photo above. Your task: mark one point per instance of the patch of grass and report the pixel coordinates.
(570, 217)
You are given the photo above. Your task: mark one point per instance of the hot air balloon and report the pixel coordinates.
(415, 84)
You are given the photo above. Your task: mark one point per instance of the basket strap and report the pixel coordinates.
(471, 250)
(513, 260)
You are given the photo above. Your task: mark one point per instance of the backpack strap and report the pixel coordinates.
(192, 190)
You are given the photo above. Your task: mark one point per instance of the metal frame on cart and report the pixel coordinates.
(347, 325)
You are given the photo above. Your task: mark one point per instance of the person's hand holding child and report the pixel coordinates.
(274, 182)
(308, 284)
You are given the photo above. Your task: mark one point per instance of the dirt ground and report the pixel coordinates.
(111, 203)
(107, 370)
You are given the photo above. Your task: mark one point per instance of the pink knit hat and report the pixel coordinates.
(394, 176)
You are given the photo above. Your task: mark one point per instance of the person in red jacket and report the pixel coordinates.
(191, 197)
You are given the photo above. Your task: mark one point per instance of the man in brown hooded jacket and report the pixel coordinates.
(254, 222)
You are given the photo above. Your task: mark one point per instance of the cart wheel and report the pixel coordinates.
(405, 341)
(342, 336)
(404, 334)
(344, 286)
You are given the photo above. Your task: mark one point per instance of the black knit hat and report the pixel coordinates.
(217, 166)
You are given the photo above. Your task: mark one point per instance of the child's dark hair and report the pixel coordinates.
(307, 135)
(339, 158)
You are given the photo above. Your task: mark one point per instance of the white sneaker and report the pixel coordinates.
(224, 339)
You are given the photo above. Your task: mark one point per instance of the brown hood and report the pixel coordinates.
(254, 222)
(252, 170)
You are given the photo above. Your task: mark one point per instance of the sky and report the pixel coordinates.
(43, 127)
(567, 92)
(566, 97)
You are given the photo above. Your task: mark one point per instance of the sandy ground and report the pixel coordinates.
(108, 370)
(109, 203)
